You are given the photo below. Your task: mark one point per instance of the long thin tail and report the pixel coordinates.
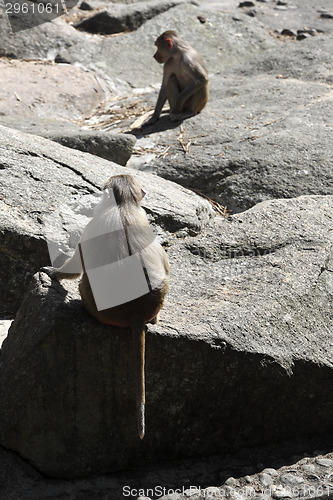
(139, 337)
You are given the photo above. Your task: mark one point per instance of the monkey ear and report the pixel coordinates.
(169, 43)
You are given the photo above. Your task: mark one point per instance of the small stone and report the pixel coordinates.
(309, 491)
(309, 468)
(280, 7)
(191, 491)
(211, 491)
(282, 2)
(272, 472)
(231, 481)
(291, 479)
(234, 496)
(265, 479)
(280, 492)
(61, 60)
(202, 19)
(182, 233)
(246, 4)
(248, 479)
(288, 32)
(324, 462)
(251, 12)
(85, 6)
(302, 36)
(326, 15)
(308, 31)
(313, 477)
(243, 494)
(249, 491)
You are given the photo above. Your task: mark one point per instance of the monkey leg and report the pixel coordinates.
(192, 106)
(199, 100)
(155, 319)
(173, 91)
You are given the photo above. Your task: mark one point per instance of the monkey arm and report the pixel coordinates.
(70, 270)
(162, 97)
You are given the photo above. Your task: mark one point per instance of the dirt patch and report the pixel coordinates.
(46, 89)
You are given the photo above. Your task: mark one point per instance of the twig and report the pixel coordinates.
(185, 147)
(220, 209)
(164, 153)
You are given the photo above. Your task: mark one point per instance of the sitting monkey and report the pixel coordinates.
(185, 78)
(125, 270)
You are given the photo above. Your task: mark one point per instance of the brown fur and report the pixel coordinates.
(135, 313)
(185, 81)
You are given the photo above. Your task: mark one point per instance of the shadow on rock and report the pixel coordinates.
(164, 123)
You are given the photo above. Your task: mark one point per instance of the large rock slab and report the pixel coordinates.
(117, 148)
(41, 42)
(37, 176)
(244, 152)
(242, 355)
(20, 480)
(114, 147)
(265, 133)
(44, 89)
(277, 17)
(240, 149)
(306, 60)
(270, 279)
(222, 42)
(307, 478)
(120, 18)
(294, 17)
(47, 99)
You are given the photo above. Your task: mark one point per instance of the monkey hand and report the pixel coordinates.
(153, 119)
(50, 271)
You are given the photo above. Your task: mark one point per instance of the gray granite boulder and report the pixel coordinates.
(242, 354)
(37, 176)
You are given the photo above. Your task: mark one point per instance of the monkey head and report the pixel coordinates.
(166, 46)
(126, 189)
